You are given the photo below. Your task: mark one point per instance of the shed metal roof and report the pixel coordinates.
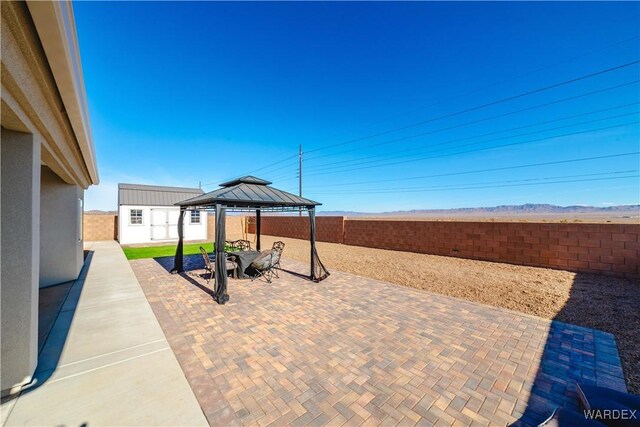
(154, 195)
(248, 192)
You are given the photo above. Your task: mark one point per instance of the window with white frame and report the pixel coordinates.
(135, 217)
(195, 217)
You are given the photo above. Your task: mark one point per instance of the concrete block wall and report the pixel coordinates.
(99, 227)
(594, 248)
(233, 227)
(612, 249)
(328, 228)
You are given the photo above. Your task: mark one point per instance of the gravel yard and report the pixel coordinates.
(606, 303)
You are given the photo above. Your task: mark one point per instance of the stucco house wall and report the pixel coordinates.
(48, 160)
(20, 241)
(61, 252)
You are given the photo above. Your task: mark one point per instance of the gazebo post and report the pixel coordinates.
(221, 259)
(312, 239)
(178, 260)
(258, 227)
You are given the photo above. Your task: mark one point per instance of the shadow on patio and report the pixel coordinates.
(585, 354)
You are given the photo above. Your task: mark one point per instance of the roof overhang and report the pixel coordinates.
(56, 29)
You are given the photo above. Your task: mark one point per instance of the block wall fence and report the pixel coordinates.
(611, 249)
(97, 227)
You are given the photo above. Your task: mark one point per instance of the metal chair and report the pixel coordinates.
(241, 245)
(278, 246)
(264, 265)
(211, 267)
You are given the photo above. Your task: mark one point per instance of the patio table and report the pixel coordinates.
(244, 259)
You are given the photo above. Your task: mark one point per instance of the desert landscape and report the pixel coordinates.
(622, 214)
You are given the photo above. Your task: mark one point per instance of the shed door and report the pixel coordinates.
(164, 224)
(172, 229)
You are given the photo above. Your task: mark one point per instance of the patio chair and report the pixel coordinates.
(210, 266)
(264, 265)
(241, 245)
(278, 246)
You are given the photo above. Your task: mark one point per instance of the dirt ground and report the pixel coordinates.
(606, 303)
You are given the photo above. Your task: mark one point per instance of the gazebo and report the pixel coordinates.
(245, 194)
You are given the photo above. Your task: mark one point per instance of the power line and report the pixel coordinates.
(359, 161)
(546, 104)
(482, 148)
(450, 114)
(476, 187)
(272, 164)
(439, 102)
(493, 103)
(286, 174)
(489, 104)
(557, 162)
(571, 59)
(389, 190)
(291, 171)
(255, 170)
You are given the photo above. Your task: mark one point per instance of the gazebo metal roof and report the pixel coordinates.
(248, 192)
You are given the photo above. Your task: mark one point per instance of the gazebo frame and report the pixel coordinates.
(241, 195)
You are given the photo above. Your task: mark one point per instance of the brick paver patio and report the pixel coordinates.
(356, 351)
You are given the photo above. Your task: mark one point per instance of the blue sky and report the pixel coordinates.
(182, 93)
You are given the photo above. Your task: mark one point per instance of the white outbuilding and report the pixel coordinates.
(147, 214)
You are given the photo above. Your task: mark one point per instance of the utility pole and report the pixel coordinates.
(300, 176)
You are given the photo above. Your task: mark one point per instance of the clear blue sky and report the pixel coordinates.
(182, 93)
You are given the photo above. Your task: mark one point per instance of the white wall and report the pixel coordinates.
(61, 256)
(20, 234)
(133, 233)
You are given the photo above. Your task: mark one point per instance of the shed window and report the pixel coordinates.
(135, 217)
(195, 217)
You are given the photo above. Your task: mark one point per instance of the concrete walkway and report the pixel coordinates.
(106, 360)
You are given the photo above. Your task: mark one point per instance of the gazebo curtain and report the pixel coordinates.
(178, 260)
(221, 257)
(318, 270)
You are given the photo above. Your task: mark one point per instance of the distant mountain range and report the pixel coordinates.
(526, 209)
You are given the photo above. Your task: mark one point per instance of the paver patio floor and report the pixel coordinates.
(352, 350)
